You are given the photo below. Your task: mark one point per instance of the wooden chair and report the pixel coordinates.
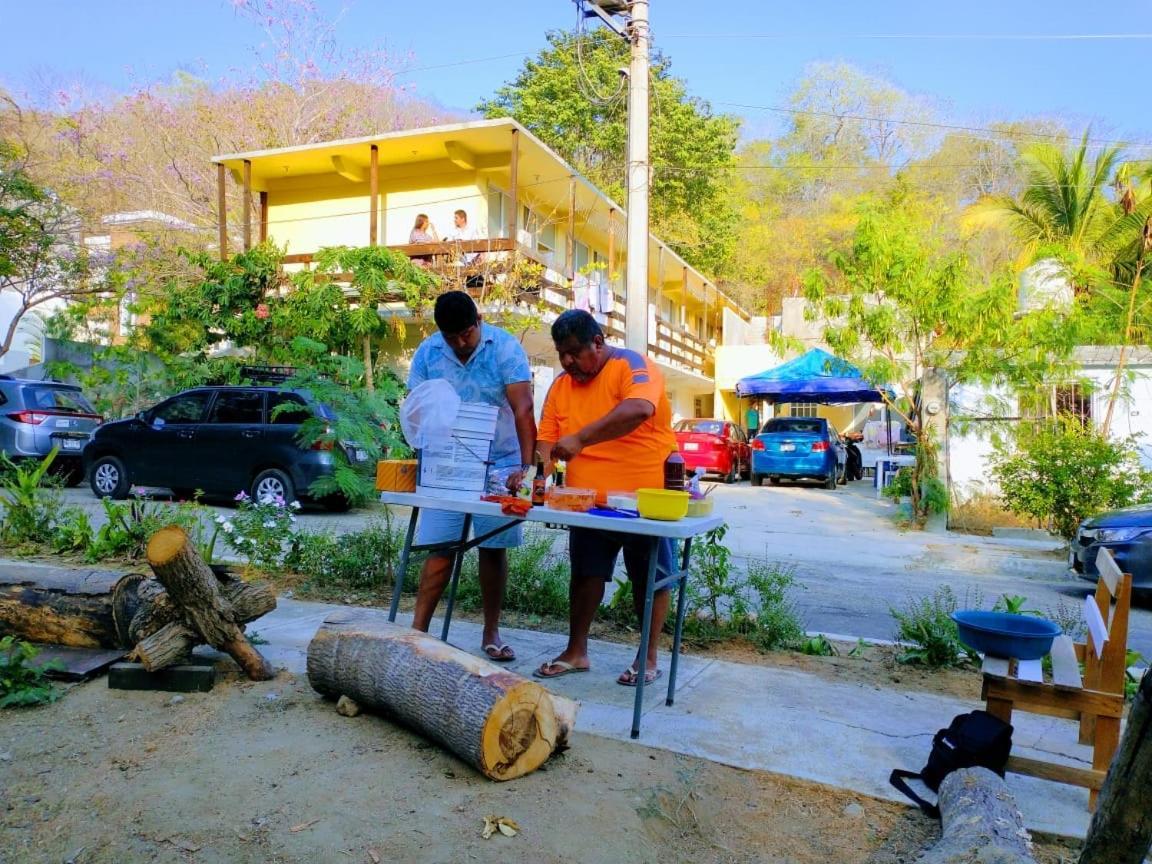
(1095, 698)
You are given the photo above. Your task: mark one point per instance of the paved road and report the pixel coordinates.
(850, 560)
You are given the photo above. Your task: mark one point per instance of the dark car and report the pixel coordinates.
(36, 416)
(1127, 532)
(797, 448)
(714, 447)
(219, 440)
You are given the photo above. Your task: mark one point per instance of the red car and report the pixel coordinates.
(716, 446)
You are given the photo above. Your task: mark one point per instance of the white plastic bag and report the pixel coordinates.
(429, 412)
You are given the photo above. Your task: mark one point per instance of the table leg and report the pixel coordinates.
(645, 633)
(457, 561)
(402, 572)
(681, 608)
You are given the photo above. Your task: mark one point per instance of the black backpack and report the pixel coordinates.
(973, 739)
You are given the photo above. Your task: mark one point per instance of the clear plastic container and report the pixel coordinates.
(622, 500)
(571, 498)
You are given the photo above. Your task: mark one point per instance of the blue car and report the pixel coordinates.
(798, 448)
(1127, 532)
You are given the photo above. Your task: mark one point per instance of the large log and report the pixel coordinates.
(1121, 827)
(501, 723)
(193, 588)
(980, 822)
(59, 606)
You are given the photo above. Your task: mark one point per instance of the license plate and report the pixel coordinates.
(691, 445)
(359, 455)
(71, 444)
(787, 448)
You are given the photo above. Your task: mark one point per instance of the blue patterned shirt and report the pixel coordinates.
(499, 360)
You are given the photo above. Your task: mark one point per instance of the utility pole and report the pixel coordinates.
(635, 30)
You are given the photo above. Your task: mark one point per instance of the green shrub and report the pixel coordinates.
(364, 560)
(1065, 472)
(73, 531)
(260, 532)
(22, 685)
(929, 633)
(130, 525)
(31, 501)
(537, 578)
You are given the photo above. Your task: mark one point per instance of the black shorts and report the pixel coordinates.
(593, 553)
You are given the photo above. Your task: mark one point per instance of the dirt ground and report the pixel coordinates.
(270, 772)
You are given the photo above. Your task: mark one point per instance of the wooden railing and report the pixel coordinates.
(673, 345)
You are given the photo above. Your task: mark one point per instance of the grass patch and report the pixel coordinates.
(981, 512)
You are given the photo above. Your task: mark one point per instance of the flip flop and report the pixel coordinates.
(629, 676)
(565, 668)
(499, 653)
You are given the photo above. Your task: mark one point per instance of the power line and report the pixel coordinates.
(937, 37)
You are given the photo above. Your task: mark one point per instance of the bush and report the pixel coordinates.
(537, 578)
(926, 627)
(31, 500)
(1065, 473)
(261, 531)
(22, 685)
(365, 560)
(130, 525)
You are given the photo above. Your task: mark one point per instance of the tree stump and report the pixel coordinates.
(501, 723)
(206, 612)
(1121, 827)
(980, 823)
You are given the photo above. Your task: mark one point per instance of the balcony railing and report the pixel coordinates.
(497, 258)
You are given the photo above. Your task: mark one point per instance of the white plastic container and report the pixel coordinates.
(457, 467)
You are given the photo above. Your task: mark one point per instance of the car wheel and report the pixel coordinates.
(272, 483)
(730, 477)
(747, 472)
(842, 477)
(830, 480)
(757, 479)
(73, 476)
(775, 481)
(109, 478)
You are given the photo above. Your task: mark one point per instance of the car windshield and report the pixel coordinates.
(793, 424)
(57, 399)
(707, 427)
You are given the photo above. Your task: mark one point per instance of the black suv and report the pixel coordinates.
(219, 440)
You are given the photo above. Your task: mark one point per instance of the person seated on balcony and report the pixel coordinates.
(462, 231)
(423, 232)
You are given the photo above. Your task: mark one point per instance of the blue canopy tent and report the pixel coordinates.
(815, 376)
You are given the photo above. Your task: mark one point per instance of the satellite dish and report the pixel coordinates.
(1044, 285)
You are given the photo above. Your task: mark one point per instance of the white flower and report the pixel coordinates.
(268, 523)
(227, 526)
(295, 505)
(220, 520)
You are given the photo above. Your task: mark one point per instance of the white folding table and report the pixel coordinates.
(655, 530)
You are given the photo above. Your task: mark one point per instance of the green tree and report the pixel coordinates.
(572, 97)
(42, 258)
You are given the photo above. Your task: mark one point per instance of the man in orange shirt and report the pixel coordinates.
(609, 418)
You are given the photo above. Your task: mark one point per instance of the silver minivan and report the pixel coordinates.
(36, 416)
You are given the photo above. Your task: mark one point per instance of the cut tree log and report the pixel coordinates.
(102, 608)
(195, 591)
(1121, 827)
(980, 822)
(501, 723)
(62, 606)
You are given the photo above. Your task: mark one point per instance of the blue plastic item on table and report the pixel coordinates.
(613, 514)
(1003, 634)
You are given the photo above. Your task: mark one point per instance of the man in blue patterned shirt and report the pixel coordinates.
(483, 364)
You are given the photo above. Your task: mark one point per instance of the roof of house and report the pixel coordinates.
(1108, 356)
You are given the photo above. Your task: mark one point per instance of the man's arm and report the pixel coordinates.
(520, 399)
(617, 423)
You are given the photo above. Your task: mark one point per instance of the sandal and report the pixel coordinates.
(629, 676)
(565, 668)
(499, 653)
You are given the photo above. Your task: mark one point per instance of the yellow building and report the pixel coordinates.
(524, 204)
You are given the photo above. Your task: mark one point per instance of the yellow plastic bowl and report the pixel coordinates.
(664, 504)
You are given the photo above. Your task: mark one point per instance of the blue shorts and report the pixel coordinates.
(440, 526)
(593, 552)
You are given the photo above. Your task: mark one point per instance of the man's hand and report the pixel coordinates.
(567, 448)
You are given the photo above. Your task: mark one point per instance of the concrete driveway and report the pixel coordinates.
(850, 560)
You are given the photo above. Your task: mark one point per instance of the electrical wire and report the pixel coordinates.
(584, 80)
(927, 37)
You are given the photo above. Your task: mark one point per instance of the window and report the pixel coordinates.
(498, 204)
(1060, 400)
(294, 410)
(56, 399)
(704, 427)
(188, 408)
(790, 424)
(583, 256)
(238, 406)
(802, 409)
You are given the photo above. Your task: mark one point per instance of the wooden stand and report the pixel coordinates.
(502, 724)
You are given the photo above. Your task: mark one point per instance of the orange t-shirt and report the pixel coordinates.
(623, 464)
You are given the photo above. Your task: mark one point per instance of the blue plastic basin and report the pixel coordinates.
(1002, 634)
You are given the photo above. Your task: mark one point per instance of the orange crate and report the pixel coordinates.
(396, 475)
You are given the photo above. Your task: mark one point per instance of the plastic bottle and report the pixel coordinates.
(674, 471)
(538, 483)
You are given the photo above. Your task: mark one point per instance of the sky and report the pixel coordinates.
(979, 61)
